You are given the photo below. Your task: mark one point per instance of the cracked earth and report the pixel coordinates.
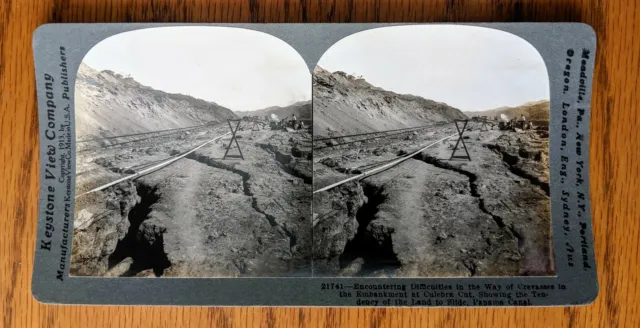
(431, 216)
(200, 216)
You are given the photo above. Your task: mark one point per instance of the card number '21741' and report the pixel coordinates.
(332, 286)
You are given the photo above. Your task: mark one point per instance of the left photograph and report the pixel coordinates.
(193, 156)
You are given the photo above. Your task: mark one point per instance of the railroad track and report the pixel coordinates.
(380, 168)
(141, 169)
(328, 142)
(384, 165)
(118, 141)
(153, 166)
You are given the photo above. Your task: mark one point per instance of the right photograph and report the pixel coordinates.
(431, 155)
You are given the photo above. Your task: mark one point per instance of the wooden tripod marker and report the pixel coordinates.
(460, 140)
(233, 137)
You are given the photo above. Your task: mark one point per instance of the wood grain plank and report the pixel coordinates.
(613, 153)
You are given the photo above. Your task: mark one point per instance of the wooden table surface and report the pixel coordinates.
(614, 159)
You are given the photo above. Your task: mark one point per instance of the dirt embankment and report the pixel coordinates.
(109, 104)
(343, 104)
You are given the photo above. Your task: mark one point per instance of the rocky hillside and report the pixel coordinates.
(302, 109)
(536, 111)
(344, 104)
(110, 104)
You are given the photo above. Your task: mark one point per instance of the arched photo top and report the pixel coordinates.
(234, 67)
(444, 129)
(468, 67)
(172, 123)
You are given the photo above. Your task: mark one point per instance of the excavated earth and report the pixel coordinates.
(200, 216)
(344, 104)
(432, 216)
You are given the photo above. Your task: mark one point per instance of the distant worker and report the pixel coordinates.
(522, 119)
(294, 121)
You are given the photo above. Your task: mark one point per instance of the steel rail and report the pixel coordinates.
(132, 141)
(153, 168)
(367, 133)
(124, 142)
(383, 167)
(368, 166)
(176, 130)
(363, 140)
(144, 165)
(385, 131)
(90, 148)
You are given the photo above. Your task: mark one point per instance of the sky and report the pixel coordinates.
(238, 69)
(467, 67)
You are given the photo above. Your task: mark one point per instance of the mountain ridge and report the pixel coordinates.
(532, 110)
(302, 109)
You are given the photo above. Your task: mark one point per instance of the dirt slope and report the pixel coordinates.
(344, 104)
(109, 104)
